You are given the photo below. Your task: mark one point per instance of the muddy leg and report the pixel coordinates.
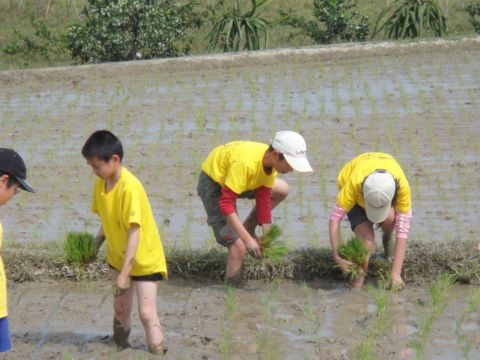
(388, 245)
(120, 335)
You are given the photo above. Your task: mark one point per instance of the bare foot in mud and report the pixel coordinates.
(357, 282)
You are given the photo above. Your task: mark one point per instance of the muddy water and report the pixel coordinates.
(280, 320)
(416, 101)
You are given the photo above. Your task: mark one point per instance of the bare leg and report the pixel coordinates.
(147, 309)
(364, 232)
(236, 255)
(387, 227)
(122, 307)
(279, 193)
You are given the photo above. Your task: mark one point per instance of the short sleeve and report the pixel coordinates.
(404, 197)
(132, 210)
(346, 196)
(94, 206)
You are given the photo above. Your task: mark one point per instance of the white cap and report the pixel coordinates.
(378, 192)
(293, 147)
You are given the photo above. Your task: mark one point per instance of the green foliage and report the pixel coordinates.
(116, 30)
(473, 11)
(271, 246)
(42, 44)
(354, 251)
(408, 19)
(79, 247)
(235, 31)
(335, 22)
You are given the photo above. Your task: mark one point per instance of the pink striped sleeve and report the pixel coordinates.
(402, 224)
(337, 213)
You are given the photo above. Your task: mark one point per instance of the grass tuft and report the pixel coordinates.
(79, 247)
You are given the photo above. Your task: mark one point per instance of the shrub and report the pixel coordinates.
(42, 44)
(235, 30)
(79, 247)
(335, 22)
(473, 11)
(411, 19)
(116, 30)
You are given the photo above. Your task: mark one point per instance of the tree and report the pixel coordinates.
(236, 30)
(116, 30)
(411, 19)
(335, 22)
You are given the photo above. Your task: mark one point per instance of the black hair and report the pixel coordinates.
(280, 155)
(11, 179)
(103, 145)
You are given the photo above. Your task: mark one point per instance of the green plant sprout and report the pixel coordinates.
(354, 251)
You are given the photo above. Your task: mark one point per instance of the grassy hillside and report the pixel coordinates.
(16, 18)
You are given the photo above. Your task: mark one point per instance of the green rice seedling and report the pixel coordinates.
(79, 247)
(439, 290)
(354, 251)
(271, 247)
(472, 306)
(364, 349)
(225, 346)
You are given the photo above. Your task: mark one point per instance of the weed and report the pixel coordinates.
(472, 306)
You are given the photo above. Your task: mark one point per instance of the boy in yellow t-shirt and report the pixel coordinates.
(134, 249)
(373, 189)
(13, 175)
(247, 169)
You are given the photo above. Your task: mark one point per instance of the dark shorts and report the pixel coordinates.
(357, 216)
(210, 192)
(151, 277)
(5, 342)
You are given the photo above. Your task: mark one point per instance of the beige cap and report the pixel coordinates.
(378, 192)
(292, 146)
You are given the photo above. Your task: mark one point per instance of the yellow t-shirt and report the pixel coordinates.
(238, 165)
(353, 174)
(3, 283)
(127, 203)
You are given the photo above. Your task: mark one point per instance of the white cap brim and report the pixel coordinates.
(298, 163)
(376, 214)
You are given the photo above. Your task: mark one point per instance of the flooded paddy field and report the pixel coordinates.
(277, 320)
(418, 101)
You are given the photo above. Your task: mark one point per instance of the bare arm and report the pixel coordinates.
(123, 279)
(334, 231)
(99, 238)
(250, 243)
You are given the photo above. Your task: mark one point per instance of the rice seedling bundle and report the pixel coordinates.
(271, 246)
(79, 247)
(354, 251)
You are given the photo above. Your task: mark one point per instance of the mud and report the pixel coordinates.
(279, 320)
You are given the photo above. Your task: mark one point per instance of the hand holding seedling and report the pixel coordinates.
(253, 248)
(97, 243)
(396, 284)
(343, 265)
(122, 283)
